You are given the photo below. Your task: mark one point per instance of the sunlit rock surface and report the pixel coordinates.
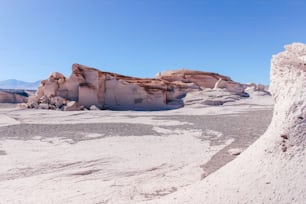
(88, 86)
(13, 96)
(273, 169)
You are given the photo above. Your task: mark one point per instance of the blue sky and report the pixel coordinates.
(142, 37)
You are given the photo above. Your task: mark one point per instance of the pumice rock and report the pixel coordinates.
(104, 90)
(277, 158)
(89, 87)
(202, 79)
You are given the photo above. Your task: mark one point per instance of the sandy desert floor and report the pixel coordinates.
(118, 157)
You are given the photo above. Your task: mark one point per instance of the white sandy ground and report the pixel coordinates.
(117, 169)
(284, 182)
(46, 171)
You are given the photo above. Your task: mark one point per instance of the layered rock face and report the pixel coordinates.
(13, 96)
(91, 87)
(273, 169)
(288, 86)
(202, 80)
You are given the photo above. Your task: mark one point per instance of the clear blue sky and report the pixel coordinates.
(142, 37)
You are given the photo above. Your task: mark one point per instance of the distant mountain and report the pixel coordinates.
(16, 84)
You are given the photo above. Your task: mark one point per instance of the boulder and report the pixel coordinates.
(57, 101)
(257, 89)
(73, 106)
(44, 106)
(93, 108)
(22, 106)
(235, 151)
(210, 97)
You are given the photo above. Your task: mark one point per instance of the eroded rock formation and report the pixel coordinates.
(87, 87)
(202, 80)
(13, 96)
(273, 169)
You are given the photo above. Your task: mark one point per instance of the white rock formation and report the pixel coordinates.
(210, 97)
(273, 169)
(89, 86)
(257, 89)
(202, 80)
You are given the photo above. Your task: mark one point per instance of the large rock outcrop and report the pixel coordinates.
(273, 169)
(13, 96)
(202, 80)
(89, 86)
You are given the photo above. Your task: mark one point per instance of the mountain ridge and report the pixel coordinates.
(19, 84)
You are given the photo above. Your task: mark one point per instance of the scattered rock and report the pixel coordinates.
(210, 97)
(73, 106)
(94, 108)
(22, 106)
(44, 106)
(235, 151)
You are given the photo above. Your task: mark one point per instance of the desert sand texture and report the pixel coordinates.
(119, 157)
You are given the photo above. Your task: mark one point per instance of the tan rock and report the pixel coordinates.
(10, 97)
(22, 106)
(57, 101)
(202, 79)
(44, 106)
(57, 76)
(73, 106)
(235, 151)
(93, 108)
(88, 86)
(44, 99)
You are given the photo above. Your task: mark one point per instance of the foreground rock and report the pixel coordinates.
(88, 87)
(273, 169)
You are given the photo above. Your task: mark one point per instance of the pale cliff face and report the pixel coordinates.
(273, 169)
(288, 87)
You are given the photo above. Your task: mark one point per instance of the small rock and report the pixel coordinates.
(235, 151)
(52, 107)
(22, 106)
(213, 102)
(44, 99)
(57, 101)
(73, 106)
(44, 106)
(93, 107)
(33, 105)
